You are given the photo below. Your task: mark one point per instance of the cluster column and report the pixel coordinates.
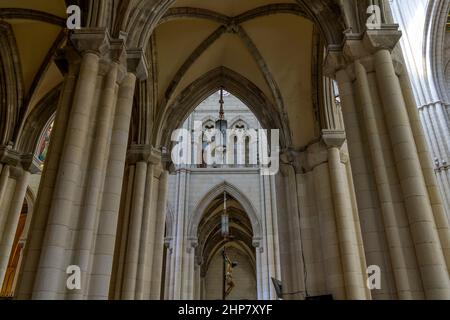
(78, 202)
(14, 176)
(142, 237)
(353, 264)
(377, 106)
(429, 252)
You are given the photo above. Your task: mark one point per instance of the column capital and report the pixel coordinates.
(18, 160)
(191, 245)
(334, 138)
(168, 242)
(199, 260)
(137, 63)
(293, 158)
(144, 153)
(99, 42)
(256, 242)
(357, 46)
(96, 41)
(91, 40)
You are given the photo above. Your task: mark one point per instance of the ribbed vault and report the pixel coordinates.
(210, 239)
(269, 46)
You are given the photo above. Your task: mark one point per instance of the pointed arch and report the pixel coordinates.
(238, 119)
(174, 115)
(36, 122)
(232, 190)
(140, 18)
(433, 50)
(11, 84)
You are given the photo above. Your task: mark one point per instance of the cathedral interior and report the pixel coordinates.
(345, 193)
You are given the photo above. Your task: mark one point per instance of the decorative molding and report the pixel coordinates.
(360, 47)
(139, 20)
(29, 14)
(95, 40)
(18, 160)
(137, 63)
(11, 86)
(144, 153)
(334, 138)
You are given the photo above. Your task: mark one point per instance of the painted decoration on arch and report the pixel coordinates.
(44, 144)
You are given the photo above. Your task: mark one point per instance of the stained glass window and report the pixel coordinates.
(44, 143)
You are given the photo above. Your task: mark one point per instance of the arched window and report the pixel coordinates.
(239, 124)
(242, 152)
(208, 125)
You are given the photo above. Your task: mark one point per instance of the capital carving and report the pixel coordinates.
(257, 244)
(333, 138)
(199, 260)
(144, 153)
(17, 160)
(98, 41)
(137, 63)
(192, 244)
(91, 40)
(168, 241)
(358, 46)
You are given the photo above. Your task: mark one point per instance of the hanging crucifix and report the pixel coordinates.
(228, 265)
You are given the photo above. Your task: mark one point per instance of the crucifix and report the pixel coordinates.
(228, 265)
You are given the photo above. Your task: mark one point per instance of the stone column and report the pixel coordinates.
(147, 230)
(50, 275)
(139, 254)
(180, 248)
(68, 62)
(168, 273)
(158, 244)
(189, 272)
(108, 216)
(168, 289)
(383, 184)
(291, 248)
(354, 275)
(122, 232)
(417, 238)
(420, 214)
(13, 186)
(366, 197)
(437, 203)
(328, 231)
(89, 216)
(134, 234)
(259, 278)
(67, 226)
(197, 279)
(3, 180)
(270, 235)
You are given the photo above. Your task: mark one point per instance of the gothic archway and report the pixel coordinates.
(212, 245)
(219, 190)
(239, 86)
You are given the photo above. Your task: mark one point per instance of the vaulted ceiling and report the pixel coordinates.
(37, 27)
(209, 230)
(269, 42)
